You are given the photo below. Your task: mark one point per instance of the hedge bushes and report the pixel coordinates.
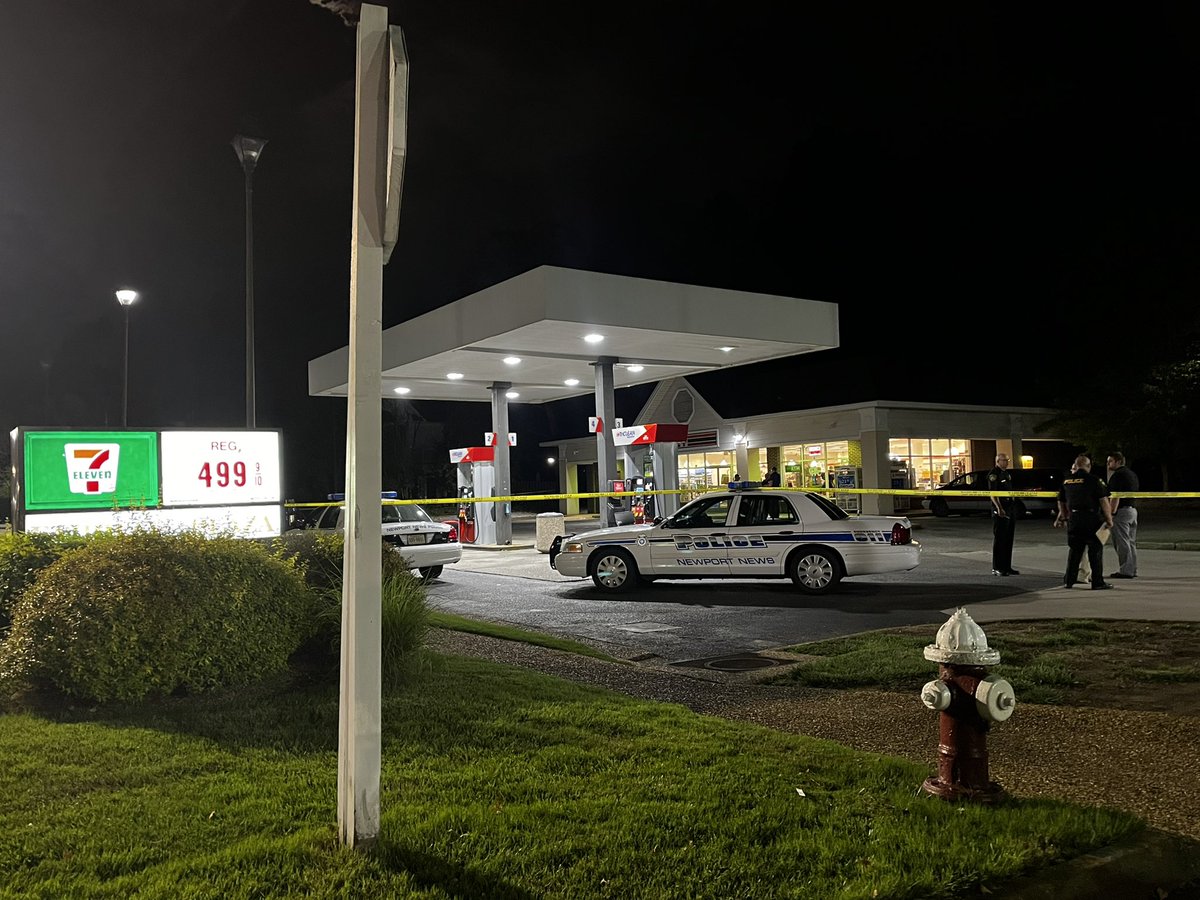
(22, 556)
(120, 616)
(126, 615)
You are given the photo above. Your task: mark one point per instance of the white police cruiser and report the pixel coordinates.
(743, 533)
(426, 545)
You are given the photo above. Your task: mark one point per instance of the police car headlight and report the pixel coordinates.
(572, 547)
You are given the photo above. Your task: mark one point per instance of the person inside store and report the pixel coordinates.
(773, 480)
(1125, 515)
(1083, 506)
(1004, 517)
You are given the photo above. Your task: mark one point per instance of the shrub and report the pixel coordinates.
(318, 554)
(404, 622)
(22, 556)
(404, 614)
(127, 615)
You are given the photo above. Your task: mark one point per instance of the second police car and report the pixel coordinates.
(744, 533)
(425, 545)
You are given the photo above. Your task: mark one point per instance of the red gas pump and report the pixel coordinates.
(466, 517)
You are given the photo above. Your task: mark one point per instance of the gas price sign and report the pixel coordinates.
(210, 468)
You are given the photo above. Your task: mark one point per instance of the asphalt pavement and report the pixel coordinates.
(1165, 590)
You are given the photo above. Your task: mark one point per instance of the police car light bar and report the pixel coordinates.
(742, 485)
(383, 495)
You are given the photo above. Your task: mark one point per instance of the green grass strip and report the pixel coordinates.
(496, 782)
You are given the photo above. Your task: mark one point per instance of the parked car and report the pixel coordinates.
(1037, 479)
(743, 533)
(426, 545)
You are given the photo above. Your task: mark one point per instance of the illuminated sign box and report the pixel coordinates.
(242, 521)
(217, 468)
(90, 469)
(217, 481)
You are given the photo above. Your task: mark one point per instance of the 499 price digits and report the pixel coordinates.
(224, 474)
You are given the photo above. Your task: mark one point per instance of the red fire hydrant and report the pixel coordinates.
(969, 700)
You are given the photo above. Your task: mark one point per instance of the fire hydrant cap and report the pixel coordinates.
(961, 641)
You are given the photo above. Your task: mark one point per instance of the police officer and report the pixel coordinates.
(1082, 505)
(1004, 518)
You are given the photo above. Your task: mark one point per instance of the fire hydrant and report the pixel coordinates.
(969, 700)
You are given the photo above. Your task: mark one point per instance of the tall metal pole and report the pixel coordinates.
(251, 416)
(248, 150)
(126, 298)
(125, 390)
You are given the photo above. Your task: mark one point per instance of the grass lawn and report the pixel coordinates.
(497, 782)
(451, 622)
(1105, 663)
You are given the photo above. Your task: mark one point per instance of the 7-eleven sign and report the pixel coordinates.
(92, 468)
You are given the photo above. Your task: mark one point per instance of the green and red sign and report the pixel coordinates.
(91, 470)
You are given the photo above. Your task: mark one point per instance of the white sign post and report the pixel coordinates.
(381, 92)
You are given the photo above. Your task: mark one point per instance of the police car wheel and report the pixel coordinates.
(939, 508)
(614, 570)
(815, 571)
(428, 573)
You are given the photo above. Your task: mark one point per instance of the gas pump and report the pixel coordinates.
(466, 516)
(642, 503)
(476, 478)
(901, 481)
(660, 441)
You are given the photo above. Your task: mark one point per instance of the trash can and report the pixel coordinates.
(549, 526)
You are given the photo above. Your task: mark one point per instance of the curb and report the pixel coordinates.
(1152, 864)
(495, 547)
(1169, 545)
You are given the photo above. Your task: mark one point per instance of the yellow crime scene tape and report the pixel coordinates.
(897, 492)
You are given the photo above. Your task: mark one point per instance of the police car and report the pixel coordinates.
(743, 533)
(426, 545)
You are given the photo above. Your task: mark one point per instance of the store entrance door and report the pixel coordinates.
(587, 480)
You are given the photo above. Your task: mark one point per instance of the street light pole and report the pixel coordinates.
(126, 299)
(248, 150)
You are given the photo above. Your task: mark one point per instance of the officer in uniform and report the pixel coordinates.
(1004, 518)
(1082, 505)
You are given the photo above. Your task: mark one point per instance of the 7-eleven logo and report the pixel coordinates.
(92, 468)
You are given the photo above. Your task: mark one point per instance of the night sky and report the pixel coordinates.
(1000, 199)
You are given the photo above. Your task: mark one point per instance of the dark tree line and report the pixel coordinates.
(1152, 417)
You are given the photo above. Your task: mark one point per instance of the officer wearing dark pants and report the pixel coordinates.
(1004, 518)
(1083, 505)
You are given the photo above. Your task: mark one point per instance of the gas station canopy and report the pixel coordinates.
(543, 330)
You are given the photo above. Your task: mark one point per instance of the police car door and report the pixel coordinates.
(695, 544)
(761, 533)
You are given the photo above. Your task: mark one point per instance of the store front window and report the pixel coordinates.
(810, 465)
(932, 461)
(704, 471)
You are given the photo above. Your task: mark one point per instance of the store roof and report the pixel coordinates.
(543, 317)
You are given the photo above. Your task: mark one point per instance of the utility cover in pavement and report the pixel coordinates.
(646, 627)
(737, 662)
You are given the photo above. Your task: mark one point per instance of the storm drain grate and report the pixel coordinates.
(737, 662)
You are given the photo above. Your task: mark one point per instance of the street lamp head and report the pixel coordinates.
(126, 297)
(248, 150)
